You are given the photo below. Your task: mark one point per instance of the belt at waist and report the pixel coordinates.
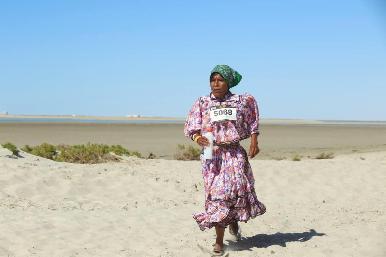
(230, 144)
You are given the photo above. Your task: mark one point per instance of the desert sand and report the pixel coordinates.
(140, 207)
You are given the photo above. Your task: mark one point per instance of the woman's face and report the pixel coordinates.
(218, 85)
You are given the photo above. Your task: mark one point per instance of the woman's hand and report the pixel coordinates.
(254, 147)
(203, 141)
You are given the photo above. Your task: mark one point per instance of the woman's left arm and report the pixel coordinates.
(251, 117)
(254, 147)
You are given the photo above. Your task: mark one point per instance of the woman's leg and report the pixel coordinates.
(219, 245)
(234, 228)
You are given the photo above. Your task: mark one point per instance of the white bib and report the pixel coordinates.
(223, 113)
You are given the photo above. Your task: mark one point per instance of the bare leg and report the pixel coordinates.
(235, 231)
(219, 245)
(233, 228)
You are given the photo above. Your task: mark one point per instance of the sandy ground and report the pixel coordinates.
(141, 207)
(278, 140)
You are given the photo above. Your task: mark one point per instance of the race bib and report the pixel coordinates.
(223, 113)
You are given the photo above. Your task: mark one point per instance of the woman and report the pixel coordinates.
(229, 184)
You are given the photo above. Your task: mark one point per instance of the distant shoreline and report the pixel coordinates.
(87, 117)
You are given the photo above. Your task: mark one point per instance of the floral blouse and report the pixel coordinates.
(246, 121)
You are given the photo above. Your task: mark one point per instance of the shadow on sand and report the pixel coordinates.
(264, 240)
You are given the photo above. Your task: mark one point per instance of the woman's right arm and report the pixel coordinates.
(193, 121)
(193, 124)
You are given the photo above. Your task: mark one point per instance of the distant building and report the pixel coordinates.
(4, 113)
(133, 116)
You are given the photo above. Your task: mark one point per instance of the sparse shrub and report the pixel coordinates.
(187, 153)
(297, 158)
(89, 153)
(12, 148)
(151, 156)
(44, 150)
(119, 150)
(135, 153)
(325, 156)
(27, 148)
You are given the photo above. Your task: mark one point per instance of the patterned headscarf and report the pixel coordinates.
(231, 76)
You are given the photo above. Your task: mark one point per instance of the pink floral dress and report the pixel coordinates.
(229, 184)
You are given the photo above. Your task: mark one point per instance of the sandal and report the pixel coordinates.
(217, 251)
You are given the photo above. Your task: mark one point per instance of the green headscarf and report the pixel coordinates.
(231, 76)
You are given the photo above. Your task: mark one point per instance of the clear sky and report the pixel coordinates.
(319, 59)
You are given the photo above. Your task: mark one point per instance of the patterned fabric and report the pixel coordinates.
(247, 122)
(228, 179)
(231, 76)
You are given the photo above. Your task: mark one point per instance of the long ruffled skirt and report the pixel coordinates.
(229, 189)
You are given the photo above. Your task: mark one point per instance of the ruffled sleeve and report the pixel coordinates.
(251, 114)
(193, 122)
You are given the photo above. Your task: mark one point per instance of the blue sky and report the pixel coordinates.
(320, 59)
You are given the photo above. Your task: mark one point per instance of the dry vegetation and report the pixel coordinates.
(297, 158)
(187, 153)
(95, 153)
(325, 156)
(88, 153)
(11, 147)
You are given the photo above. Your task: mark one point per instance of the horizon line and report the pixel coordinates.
(150, 117)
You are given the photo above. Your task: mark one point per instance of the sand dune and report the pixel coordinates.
(143, 207)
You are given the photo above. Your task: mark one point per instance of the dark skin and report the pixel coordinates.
(219, 89)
